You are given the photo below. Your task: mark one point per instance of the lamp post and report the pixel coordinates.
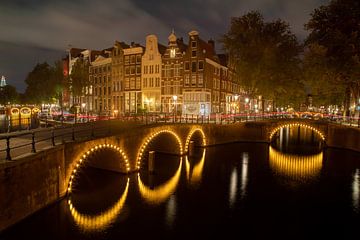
(83, 105)
(246, 106)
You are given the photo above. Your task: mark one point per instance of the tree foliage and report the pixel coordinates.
(336, 29)
(44, 83)
(8, 94)
(265, 56)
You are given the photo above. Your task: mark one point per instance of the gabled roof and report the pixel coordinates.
(182, 46)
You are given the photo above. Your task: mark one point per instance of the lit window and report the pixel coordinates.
(172, 53)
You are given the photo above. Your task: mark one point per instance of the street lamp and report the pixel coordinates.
(83, 105)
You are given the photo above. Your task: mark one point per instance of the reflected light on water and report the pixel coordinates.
(295, 166)
(233, 187)
(101, 221)
(160, 193)
(171, 211)
(194, 177)
(244, 173)
(355, 189)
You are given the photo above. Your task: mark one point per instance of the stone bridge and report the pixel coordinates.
(39, 179)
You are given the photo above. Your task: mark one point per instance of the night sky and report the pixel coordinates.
(33, 31)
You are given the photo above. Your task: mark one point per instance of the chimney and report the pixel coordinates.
(212, 43)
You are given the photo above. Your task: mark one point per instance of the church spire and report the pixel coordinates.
(3, 82)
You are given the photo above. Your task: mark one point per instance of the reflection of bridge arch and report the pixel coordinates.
(150, 138)
(318, 132)
(194, 130)
(161, 193)
(102, 220)
(295, 166)
(85, 156)
(195, 176)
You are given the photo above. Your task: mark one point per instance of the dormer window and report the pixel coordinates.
(172, 52)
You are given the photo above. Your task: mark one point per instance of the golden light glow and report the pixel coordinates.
(195, 177)
(85, 155)
(295, 166)
(102, 220)
(151, 137)
(191, 134)
(321, 134)
(161, 193)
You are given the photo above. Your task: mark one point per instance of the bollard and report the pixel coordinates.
(151, 163)
(53, 137)
(191, 148)
(8, 156)
(33, 149)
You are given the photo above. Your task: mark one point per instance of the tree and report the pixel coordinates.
(8, 94)
(79, 77)
(39, 87)
(265, 56)
(325, 88)
(336, 28)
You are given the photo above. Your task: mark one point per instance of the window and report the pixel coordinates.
(201, 65)
(132, 59)
(138, 69)
(132, 83)
(200, 79)
(132, 70)
(193, 79)
(127, 60)
(138, 82)
(193, 53)
(145, 82)
(167, 71)
(151, 82)
(127, 70)
(187, 79)
(157, 83)
(187, 66)
(193, 44)
(157, 68)
(177, 70)
(193, 66)
(127, 83)
(138, 58)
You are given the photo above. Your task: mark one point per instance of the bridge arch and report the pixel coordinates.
(80, 162)
(161, 193)
(151, 137)
(320, 133)
(191, 133)
(102, 220)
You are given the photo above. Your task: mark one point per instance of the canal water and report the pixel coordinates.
(292, 189)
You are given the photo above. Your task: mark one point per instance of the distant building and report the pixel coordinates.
(2, 82)
(151, 75)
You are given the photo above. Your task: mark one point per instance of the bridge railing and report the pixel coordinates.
(18, 143)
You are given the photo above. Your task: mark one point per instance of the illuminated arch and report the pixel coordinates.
(25, 111)
(102, 220)
(149, 139)
(191, 134)
(162, 192)
(84, 156)
(15, 111)
(295, 166)
(35, 110)
(318, 132)
(196, 174)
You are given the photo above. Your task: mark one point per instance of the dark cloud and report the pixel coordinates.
(37, 30)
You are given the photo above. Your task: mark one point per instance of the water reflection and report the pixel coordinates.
(160, 193)
(194, 176)
(171, 211)
(293, 166)
(101, 221)
(233, 187)
(244, 173)
(356, 190)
